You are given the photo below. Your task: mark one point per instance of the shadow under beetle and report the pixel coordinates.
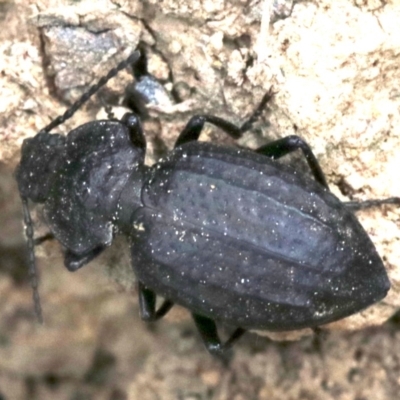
(228, 233)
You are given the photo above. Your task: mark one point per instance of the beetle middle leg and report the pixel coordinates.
(288, 144)
(147, 304)
(193, 128)
(276, 149)
(208, 332)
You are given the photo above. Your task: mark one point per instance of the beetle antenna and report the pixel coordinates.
(91, 91)
(33, 276)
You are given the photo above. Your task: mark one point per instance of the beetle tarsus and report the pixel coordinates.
(147, 305)
(209, 334)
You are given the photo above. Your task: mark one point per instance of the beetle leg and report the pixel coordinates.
(208, 332)
(288, 144)
(195, 125)
(362, 205)
(147, 304)
(247, 125)
(73, 261)
(41, 239)
(136, 134)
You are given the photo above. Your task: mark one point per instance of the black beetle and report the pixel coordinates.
(228, 233)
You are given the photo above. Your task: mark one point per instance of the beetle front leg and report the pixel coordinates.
(208, 332)
(44, 238)
(132, 122)
(73, 261)
(147, 304)
(288, 144)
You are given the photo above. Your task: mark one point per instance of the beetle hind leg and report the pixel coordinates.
(363, 205)
(147, 304)
(208, 332)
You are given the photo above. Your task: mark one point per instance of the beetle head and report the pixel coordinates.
(41, 157)
(82, 205)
